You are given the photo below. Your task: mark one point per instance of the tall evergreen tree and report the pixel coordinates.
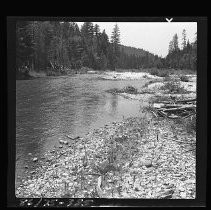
(175, 43)
(171, 48)
(184, 38)
(115, 50)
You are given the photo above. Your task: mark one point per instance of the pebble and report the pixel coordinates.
(183, 194)
(181, 189)
(35, 159)
(31, 186)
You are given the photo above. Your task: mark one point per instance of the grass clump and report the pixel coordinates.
(173, 87)
(190, 124)
(187, 124)
(113, 90)
(127, 89)
(159, 73)
(130, 89)
(167, 78)
(184, 78)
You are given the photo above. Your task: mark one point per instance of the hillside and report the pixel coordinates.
(134, 51)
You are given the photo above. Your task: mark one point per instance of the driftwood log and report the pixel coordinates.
(177, 109)
(100, 193)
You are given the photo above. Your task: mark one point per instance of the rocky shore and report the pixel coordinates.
(140, 157)
(148, 162)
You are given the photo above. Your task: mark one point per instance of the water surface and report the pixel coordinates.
(49, 109)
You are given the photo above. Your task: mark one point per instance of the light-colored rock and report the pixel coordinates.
(183, 194)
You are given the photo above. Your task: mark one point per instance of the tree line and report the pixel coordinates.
(43, 45)
(61, 46)
(184, 57)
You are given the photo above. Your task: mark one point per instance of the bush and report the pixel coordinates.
(184, 78)
(159, 73)
(173, 87)
(190, 124)
(130, 89)
(163, 73)
(154, 72)
(113, 90)
(84, 70)
(167, 78)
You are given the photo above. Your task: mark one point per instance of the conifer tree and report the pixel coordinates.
(184, 38)
(115, 50)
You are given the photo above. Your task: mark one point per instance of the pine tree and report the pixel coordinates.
(184, 39)
(96, 30)
(115, 50)
(171, 48)
(175, 43)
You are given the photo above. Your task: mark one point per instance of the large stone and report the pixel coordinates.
(35, 159)
(147, 163)
(31, 185)
(183, 194)
(182, 189)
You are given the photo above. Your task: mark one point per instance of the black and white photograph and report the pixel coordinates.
(106, 109)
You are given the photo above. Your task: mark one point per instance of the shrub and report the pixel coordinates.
(159, 73)
(190, 124)
(173, 87)
(84, 69)
(113, 90)
(51, 73)
(163, 73)
(184, 78)
(154, 72)
(167, 78)
(130, 89)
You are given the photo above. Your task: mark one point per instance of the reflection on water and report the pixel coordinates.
(48, 109)
(114, 102)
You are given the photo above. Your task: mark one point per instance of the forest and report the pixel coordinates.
(62, 47)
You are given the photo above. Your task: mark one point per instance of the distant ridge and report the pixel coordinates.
(135, 51)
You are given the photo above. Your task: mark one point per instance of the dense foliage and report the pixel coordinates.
(185, 58)
(62, 46)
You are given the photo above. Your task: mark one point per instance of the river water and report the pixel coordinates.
(48, 109)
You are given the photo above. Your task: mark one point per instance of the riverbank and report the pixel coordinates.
(140, 157)
(31, 74)
(158, 74)
(148, 163)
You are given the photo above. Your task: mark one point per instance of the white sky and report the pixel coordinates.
(151, 36)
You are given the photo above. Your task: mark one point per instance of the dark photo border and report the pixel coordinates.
(201, 135)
